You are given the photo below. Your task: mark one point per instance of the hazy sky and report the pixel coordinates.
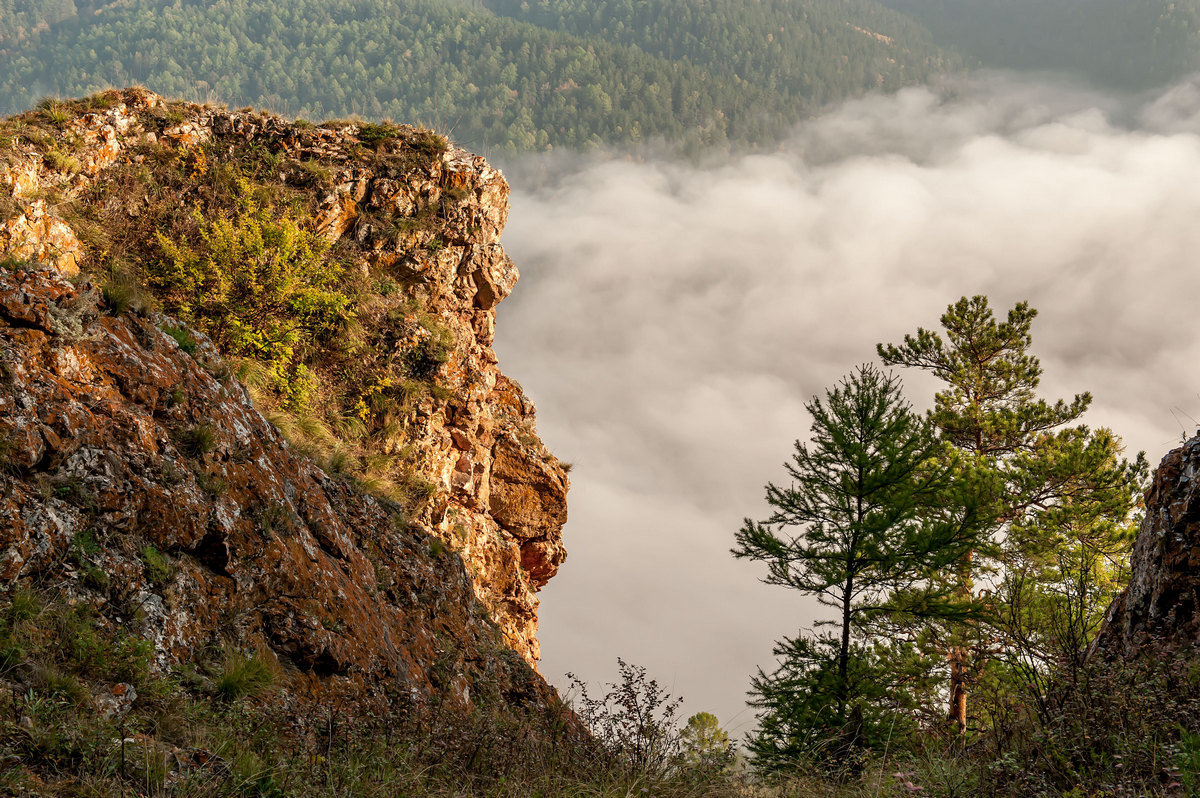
(671, 322)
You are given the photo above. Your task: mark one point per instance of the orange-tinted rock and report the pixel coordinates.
(98, 434)
(507, 526)
(38, 235)
(97, 411)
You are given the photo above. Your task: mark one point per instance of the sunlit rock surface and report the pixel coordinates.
(110, 430)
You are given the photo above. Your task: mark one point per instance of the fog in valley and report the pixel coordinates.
(672, 320)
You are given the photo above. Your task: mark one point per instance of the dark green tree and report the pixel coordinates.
(868, 513)
(1034, 479)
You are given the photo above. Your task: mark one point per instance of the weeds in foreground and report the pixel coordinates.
(216, 727)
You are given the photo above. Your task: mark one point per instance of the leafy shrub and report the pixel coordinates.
(257, 281)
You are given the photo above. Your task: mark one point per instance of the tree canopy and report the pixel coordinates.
(493, 75)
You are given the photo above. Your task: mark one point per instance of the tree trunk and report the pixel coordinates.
(843, 688)
(958, 687)
(958, 654)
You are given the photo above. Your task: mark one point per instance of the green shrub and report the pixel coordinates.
(372, 133)
(159, 567)
(258, 283)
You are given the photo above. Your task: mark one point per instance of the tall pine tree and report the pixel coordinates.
(866, 514)
(1033, 478)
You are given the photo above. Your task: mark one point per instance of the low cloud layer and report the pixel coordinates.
(672, 320)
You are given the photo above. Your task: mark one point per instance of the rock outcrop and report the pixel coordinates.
(126, 435)
(1160, 609)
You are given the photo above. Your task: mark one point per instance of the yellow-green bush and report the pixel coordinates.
(257, 281)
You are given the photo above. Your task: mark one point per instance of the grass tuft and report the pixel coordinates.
(243, 676)
(198, 440)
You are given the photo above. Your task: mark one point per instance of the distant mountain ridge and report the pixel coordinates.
(1126, 44)
(497, 74)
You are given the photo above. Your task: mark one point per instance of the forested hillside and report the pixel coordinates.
(1118, 43)
(817, 51)
(505, 76)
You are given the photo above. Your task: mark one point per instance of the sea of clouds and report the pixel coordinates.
(672, 320)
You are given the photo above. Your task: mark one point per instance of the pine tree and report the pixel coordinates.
(868, 503)
(1028, 473)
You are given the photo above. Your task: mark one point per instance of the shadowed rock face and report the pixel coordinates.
(110, 431)
(1158, 611)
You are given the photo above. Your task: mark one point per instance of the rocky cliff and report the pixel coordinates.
(1158, 612)
(178, 284)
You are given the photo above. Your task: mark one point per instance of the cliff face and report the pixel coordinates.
(1158, 610)
(138, 468)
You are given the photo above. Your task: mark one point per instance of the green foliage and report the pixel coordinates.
(198, 440)
(1188, 761)
(799, 724)
(704, 743)
(1055, 500)
(159, 568)
(61, 162)
(182, 337)
(243, 676)
(256, 280)
(370, 133)
(869, 504)
(11, 263)
(497, 74)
